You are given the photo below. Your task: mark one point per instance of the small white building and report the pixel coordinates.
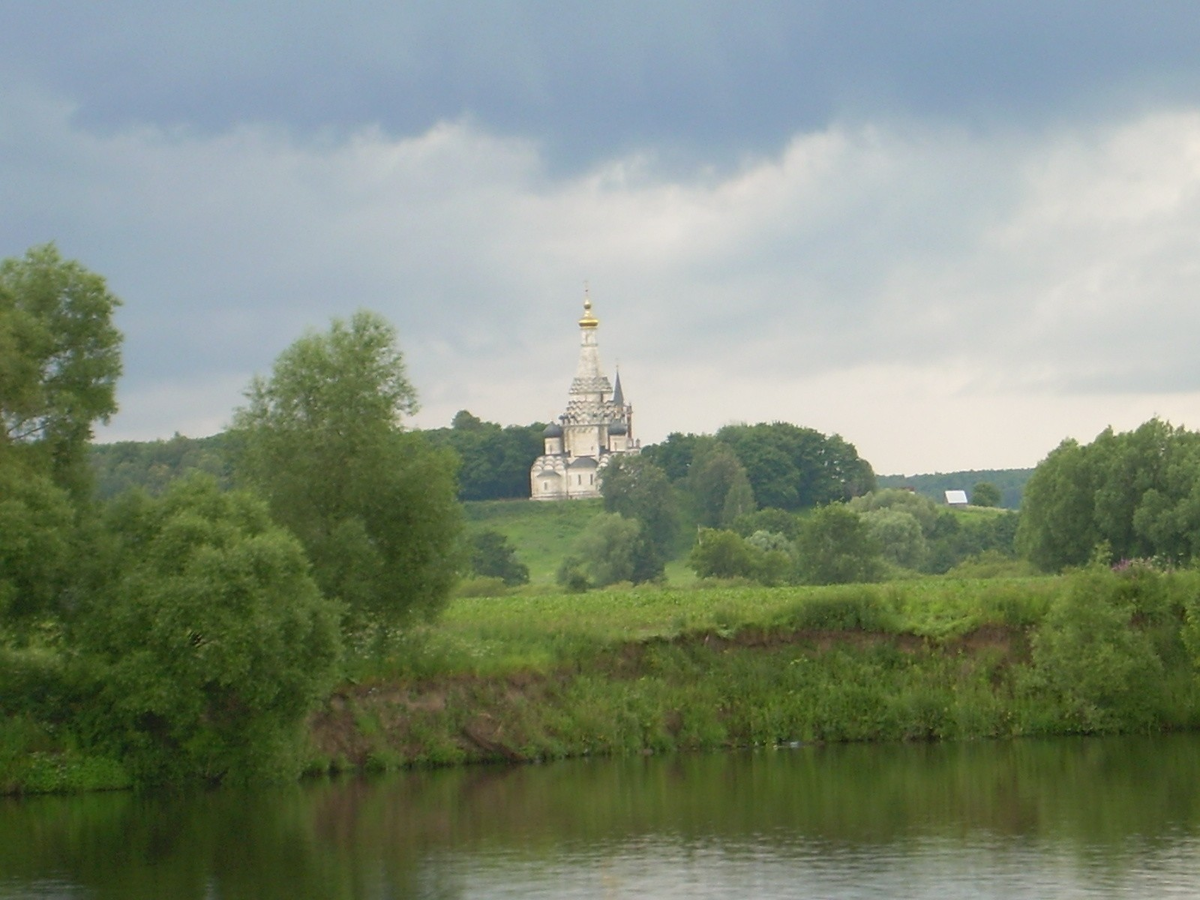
(598, 423)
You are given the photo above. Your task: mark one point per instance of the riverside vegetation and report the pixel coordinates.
(289, 607)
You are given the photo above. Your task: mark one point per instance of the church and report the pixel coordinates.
(597, 425)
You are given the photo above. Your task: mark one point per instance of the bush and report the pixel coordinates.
(847, 610)
(835, 547)
(1103, 672)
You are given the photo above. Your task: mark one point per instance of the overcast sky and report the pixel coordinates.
(954, 233)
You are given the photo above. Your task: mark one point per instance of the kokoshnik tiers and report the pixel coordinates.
(597, 425)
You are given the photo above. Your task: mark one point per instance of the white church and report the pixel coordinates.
(597, 425)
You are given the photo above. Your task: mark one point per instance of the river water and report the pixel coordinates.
(1112, 817)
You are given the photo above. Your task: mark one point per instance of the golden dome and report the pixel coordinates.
(588, 320)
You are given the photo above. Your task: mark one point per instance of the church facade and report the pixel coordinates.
(597, 425)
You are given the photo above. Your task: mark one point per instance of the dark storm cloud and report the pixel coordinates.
(703, 82)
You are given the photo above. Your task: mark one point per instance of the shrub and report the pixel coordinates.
(1102, 671)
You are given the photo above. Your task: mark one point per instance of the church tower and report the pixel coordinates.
(598, 423)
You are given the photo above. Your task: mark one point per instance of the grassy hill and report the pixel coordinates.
(543, 533)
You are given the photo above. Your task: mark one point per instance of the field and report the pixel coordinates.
(538, 632)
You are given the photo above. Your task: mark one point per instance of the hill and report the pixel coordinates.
(543, 533)
(1011, 483)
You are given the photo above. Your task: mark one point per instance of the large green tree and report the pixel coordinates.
(373, 505)
(1136, 493)
(790, 467)
(211, 639)
(59, 361)
(638, 489)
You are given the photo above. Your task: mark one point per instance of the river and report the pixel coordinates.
(1097, 817)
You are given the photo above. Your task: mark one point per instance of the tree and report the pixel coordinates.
(775, 521)
(212, 639)
(797, 468)
(898, 536)
(985, 494)
(718, 487)
(36, 537)
(638, 489)
(493, 461)
(373, 505)
(614, 548)
(59, 361)
(835, 547)
(1088, 656)
(763, 557)
(493, 556)
(1136, 492)
(674, 455)
(721, 554)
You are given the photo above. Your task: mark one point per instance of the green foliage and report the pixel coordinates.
(775, 521)
(947, 536)
(493, 556)
(921, 508)
(991, 564)
(984, 493)
(212, 642)
(494, 461)
(721, 554)
(637, 489)
(797, 468)
(615, 549)
(1011, 483)
(373, 506)
(37, 542)
(764, 557)
(717, 486)
(674, 455)
(1138, 492)
(59, 360)
(572, 575)
(152, 465)
(898, 535)
(845, 610)
(1098, 666)
(836, 547)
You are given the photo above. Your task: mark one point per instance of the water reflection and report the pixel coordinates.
(1100, 817)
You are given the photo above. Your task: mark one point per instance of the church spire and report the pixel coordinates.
(617, 396)
(590, 381)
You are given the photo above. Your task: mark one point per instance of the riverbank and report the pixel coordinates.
(631, 672)
(635, 671)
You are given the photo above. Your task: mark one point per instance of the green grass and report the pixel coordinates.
(543, 533)
(547, 630)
